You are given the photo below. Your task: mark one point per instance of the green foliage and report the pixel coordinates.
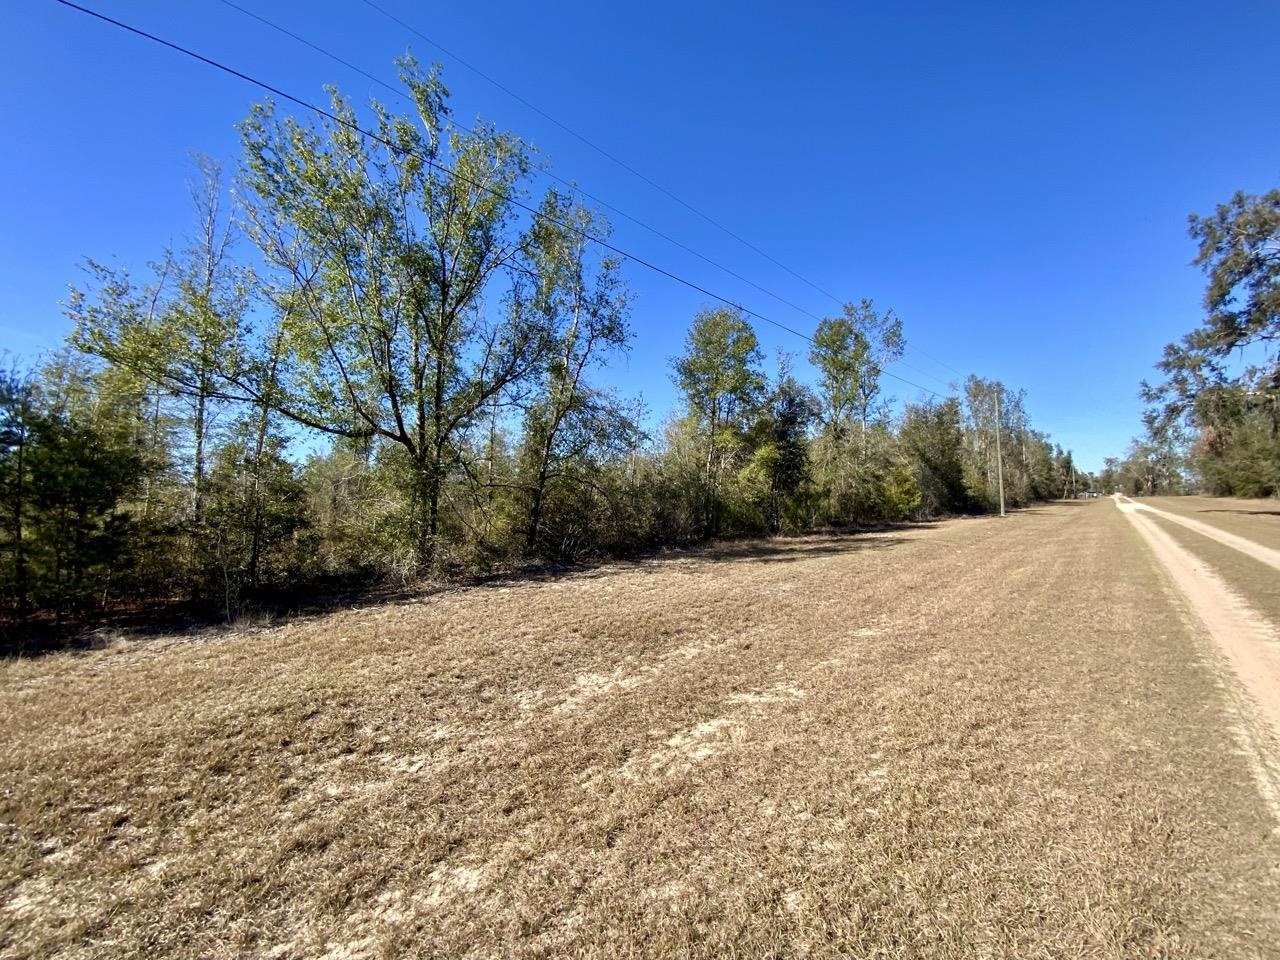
(385, 259)
(1149, 467)
(1221, 413)
(902, 496)
(933, 443)
(1237, 451)
(438, 356)
(779, 468)
(852, 455)
(255, 512)
(1240, 252)
(182, 331)
(570, 427)
(359, 512)
(65, 475)
(719, 376)
(18, 422)
(1004, 452)
(719, 371)
(78, 530)
(850, 352)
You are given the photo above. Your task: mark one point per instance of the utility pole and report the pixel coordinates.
(999, 460)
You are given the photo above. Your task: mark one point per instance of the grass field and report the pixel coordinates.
(976, 738)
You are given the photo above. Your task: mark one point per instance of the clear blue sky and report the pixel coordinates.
(1013, 179)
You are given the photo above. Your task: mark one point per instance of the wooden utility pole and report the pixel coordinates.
(999, 460)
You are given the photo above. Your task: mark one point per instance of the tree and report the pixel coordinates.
(933, 442)
(256, 506)
(1240, 253)
(585, 312)
(18, 419)
(849, 353)
(719, 375)
(1149, 468)
(80, 531)
(389, 247)
(1234, 412)
(181, 330)
(69, 467)
(779, 465)
(981, 398)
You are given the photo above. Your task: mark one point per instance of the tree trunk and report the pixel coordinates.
(535, 513)
(430, 473)
(711, 513)
(259, 449)
(255, 496)
(428, 547)
(198, 471)
(152, 446)
(19, 547)
(426, 508)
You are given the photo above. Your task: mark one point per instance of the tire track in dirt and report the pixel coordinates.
(1263, 554)
(1247, 640)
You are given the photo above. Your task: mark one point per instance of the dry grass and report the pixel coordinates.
(995, 739)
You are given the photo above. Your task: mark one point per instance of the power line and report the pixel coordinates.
(454, 175)
(598, 149)
(636, 173)
(399, 94)
(657, 186)
(547, 173)
(941, 363)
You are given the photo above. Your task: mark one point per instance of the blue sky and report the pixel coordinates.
(1013, 179)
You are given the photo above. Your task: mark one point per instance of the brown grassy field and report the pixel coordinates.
(980, 738)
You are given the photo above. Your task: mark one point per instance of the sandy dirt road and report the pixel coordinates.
(1258, 520)
(1244, 544)
(1249, 641)
(977, 738)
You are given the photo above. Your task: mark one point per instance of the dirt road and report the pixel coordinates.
(1258, 520)
(1244, 544)
(1249, 641)
(975, 738)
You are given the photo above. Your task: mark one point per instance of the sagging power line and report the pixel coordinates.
(633, 171)
(596, 147)
(453, 174)
(569, 184)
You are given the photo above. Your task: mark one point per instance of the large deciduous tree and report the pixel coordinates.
(1240, 253)
(390, 246)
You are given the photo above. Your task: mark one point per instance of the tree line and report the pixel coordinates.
(408, 378)
(1212, 422)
